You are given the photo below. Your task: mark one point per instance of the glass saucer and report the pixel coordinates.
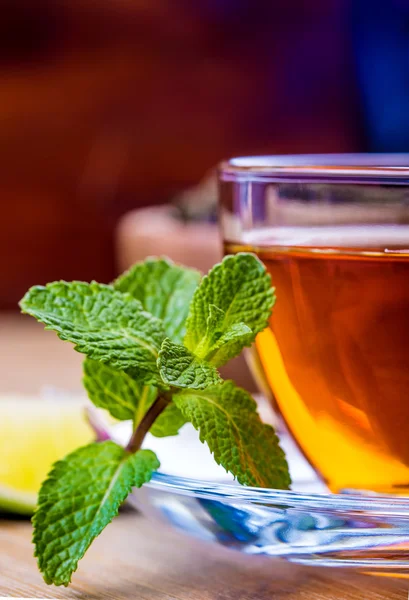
(307, 525)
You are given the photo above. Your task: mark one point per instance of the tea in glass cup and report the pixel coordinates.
(333, 232)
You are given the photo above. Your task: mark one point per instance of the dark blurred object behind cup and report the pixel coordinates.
(108, 106)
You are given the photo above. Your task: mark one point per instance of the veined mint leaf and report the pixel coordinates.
(164, 289)
(103, 323)
(220, 344)
(181, 368)
(236, 294)
(227, 420)
(169, 422)
(116, 391)
(81, 496)
(126, 398)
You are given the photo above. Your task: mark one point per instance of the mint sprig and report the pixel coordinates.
(153, 341)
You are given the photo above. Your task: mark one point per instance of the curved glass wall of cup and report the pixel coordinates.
(260, 193)
(333, 231)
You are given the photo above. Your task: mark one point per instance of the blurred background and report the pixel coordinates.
(113, 115)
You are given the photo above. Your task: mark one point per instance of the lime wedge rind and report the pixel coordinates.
(15, 502)
(35, 432)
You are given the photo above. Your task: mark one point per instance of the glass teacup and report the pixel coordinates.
(333, 231)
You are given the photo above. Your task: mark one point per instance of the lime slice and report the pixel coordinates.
(34, 433)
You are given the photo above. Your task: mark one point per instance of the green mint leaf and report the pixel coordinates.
(181, 368)
(227, 420)
(220, 344)
(127, 398)
(81, 496)
(235, 295)
(164, 289)
(169, 422)
(103, 323)
(116, 391)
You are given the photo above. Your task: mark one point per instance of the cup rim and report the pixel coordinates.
(375, 168)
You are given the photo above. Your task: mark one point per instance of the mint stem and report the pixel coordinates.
(146, 423)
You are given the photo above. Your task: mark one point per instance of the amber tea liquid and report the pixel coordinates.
(336, 353)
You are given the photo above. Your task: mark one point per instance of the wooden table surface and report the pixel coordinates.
(134, 558)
